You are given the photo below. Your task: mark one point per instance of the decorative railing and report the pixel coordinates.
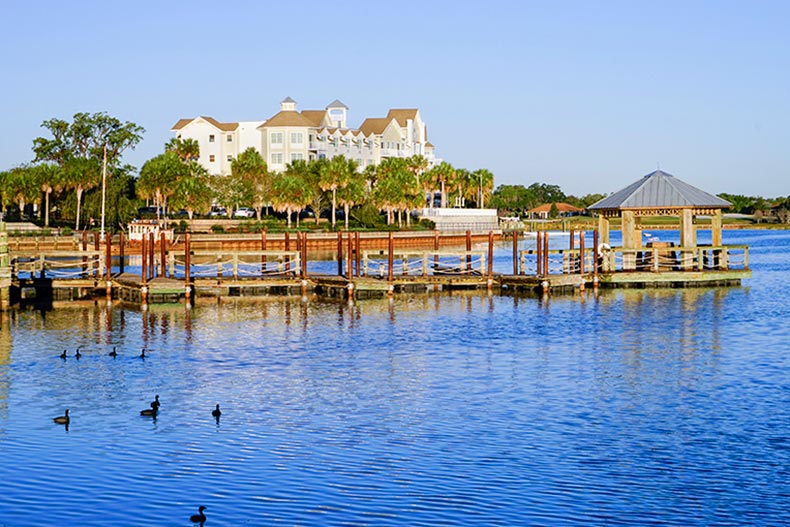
(643, 259)
(59, 264)
(424, 263)
(235, 264)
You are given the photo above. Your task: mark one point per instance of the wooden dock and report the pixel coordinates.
(173, 273)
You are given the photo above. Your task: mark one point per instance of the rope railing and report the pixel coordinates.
(424, 263)
(59, 264)
(651, 259)
(236, 264)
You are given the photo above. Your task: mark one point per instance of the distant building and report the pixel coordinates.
(290, 135)
(563, 210)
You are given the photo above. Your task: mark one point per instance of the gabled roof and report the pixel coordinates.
(336, 104)
(659, 189)
(288, 118)
(402, 115)
(374, 125)
(288, 99)
(561, 207)
(316, 117)
(225, 127)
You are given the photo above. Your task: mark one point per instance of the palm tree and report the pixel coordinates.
(81, 174)
(417, 165)
(334, 174)
(290, 193)
(442, 174)
(192, 191)
(485, 182)
(353, 193)
(159, 177)
(186, 149)
(50, 178)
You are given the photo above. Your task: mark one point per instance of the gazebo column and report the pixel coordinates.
(688, 238)
(715, 239)
(603, 229)
(628, 229)
(715, 228)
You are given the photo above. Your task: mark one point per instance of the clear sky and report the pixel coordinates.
(583, 94)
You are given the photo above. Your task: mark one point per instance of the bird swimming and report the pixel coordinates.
(63, 355)
(155, 403)
(216, 412)
(77, 354)
(63, 419)
(113, 353)
(142, 353)
(199, 517)
(150, 411)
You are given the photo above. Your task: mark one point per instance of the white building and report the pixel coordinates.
(289, 135)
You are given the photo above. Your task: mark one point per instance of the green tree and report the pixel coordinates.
(352, 194)
(335, 174)
(253, 173)
(187, 149)
(192, 190)
(50, 178)
(78, 148)
(442, 174)
(159, 177)
(483, 183)
(290, 193)
(121, 202)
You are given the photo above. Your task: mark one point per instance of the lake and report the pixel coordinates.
(625, 407)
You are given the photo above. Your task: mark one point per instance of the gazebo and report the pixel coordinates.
(659, 194)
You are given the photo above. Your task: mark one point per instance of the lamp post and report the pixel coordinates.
(103, 190)
(480, 201)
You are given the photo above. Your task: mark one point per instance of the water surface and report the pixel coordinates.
(647, 407)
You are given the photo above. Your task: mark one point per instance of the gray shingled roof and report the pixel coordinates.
(659, 189)
(336, 104)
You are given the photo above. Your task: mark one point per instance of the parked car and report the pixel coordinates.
(244, 212)
(217, 211)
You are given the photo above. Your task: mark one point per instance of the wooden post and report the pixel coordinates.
(715, 238)
(162, 254)
(97, 248)
(539, 254)
(595, 256)
(468, 251)
(85, 248)
(108, 256)
(350, 255)
(263, 248)
(287, 248)
(515, 253)
(151, 255)
(303, 255)
(435, 248)
(144, 257)
(490, 254)
(546, 269)
(187, 260)
(339, 253)
(628, 228)
(121, 253)
(358, 245)
(390, 259)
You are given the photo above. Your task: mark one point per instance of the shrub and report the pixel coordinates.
(217, 229)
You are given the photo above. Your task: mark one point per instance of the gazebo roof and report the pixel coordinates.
(659, 190)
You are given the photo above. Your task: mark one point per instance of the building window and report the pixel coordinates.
(297, 138)
(277, 138)
(230, 138)
(211, 138)
(211, 158)
(230, 158)
(277, 159)
(297, 156)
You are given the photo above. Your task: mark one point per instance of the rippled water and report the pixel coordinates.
(665, 407)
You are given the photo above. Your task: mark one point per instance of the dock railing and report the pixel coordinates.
(235, 264)
(645, 259)
(59, 264)
(424, 263)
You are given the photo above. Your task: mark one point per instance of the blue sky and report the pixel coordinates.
(586, 95)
